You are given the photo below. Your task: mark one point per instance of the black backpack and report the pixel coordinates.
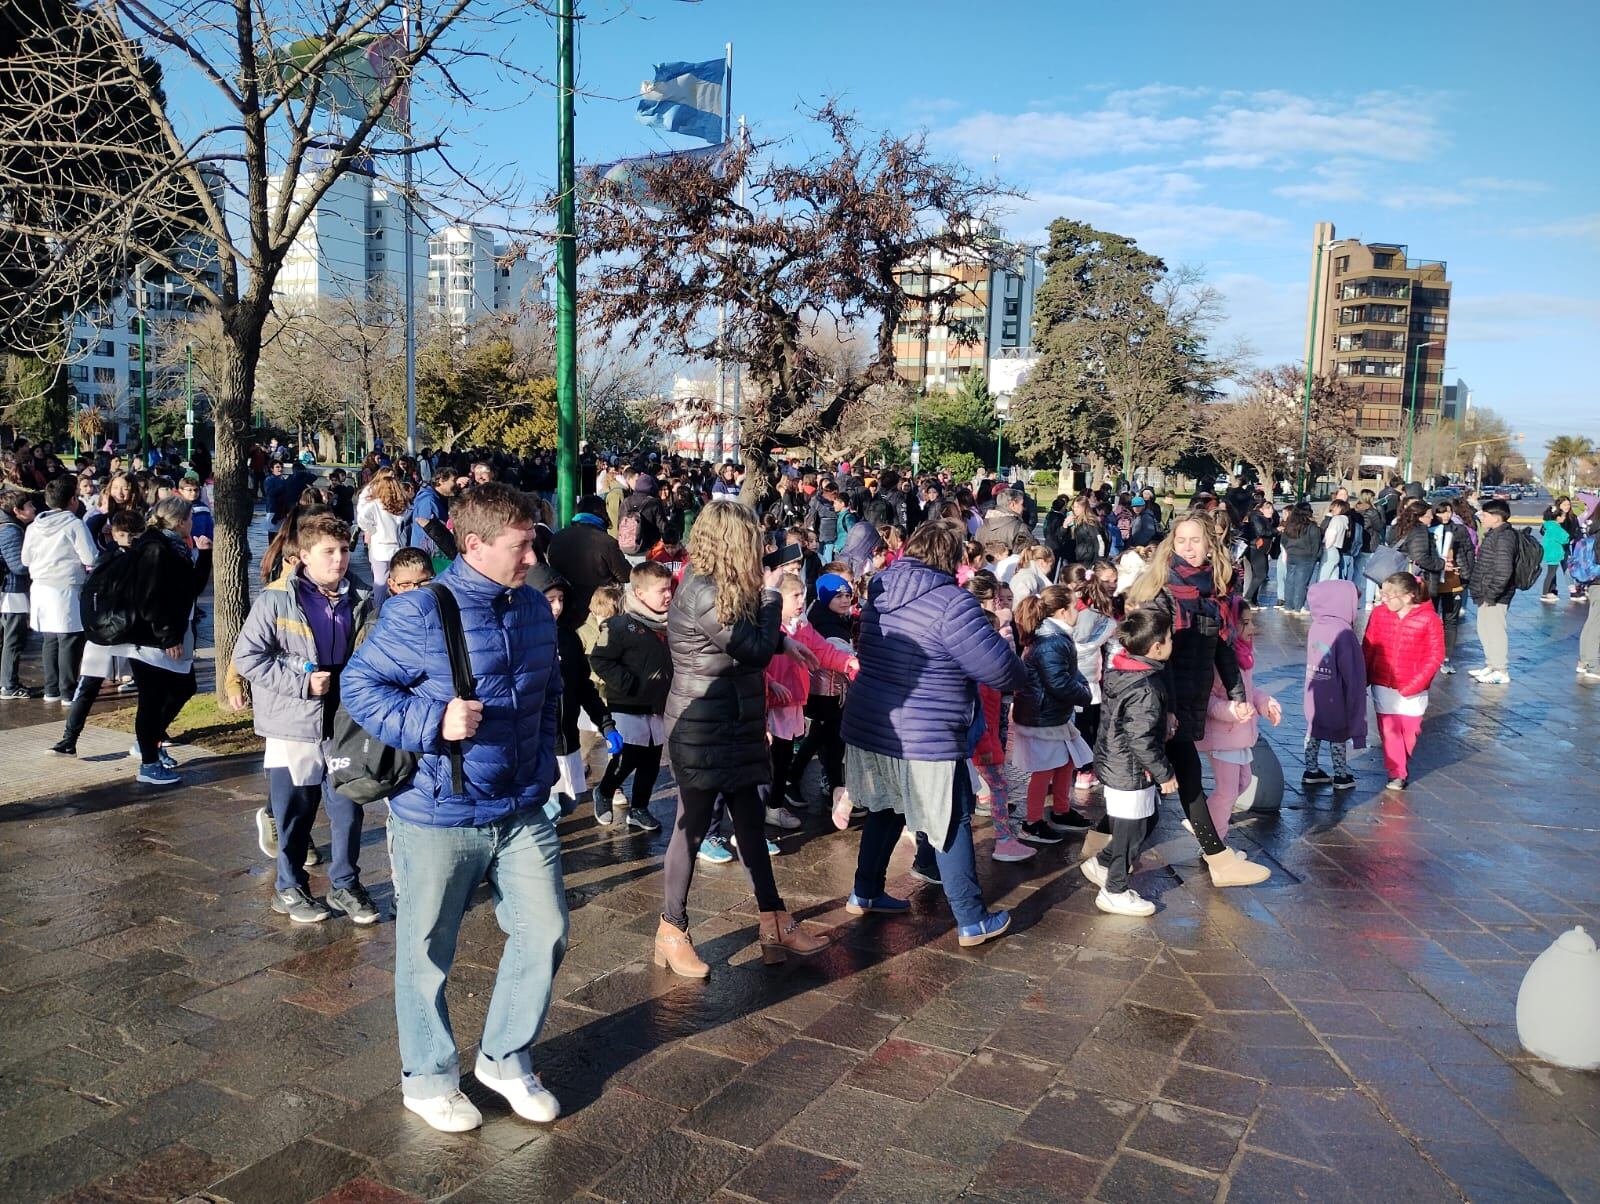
(105, 604)
(1529, 564)
(362, 767)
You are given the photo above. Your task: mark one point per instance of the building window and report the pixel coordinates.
(1341, 265)
(106, 348)
(1013, 308)
(1382, 259)
(105, 376)
(78, 372)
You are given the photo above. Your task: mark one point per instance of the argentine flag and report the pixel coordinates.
(685, 98)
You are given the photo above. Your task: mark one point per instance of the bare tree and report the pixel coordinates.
(272, 68)
(857, 234)
(1263, 425)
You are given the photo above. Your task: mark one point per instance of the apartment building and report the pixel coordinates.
(1379, 317)
(992, 317)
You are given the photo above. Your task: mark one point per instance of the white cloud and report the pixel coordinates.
(1343, 181)
(1174, 230)
(1057, 137)
(1501, 184)
(1385, 125)
(1585, 226)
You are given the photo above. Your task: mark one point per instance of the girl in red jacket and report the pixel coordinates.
(1404, 647)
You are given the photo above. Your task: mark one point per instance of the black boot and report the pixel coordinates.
(77, 716)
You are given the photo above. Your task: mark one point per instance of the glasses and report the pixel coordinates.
(401, 587)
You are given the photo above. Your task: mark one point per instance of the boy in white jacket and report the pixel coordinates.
(58, 554)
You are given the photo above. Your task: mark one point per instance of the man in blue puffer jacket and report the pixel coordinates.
(398, 686)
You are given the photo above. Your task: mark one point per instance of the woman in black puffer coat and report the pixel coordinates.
(1411, 535)
(1195, 593)
(724, 627)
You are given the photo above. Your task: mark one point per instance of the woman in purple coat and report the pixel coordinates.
(912, 718)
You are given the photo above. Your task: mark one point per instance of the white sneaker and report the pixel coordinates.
(782, 817)
(1479, 673)
(1495, 677)
(527, 1097)
(453, 1113)
(1095, 872)
(1128, 903)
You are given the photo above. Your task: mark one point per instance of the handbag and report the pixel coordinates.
(1383, 563)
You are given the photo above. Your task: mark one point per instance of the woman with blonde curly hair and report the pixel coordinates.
(725, 624)
(1190, 580)
(381, 518)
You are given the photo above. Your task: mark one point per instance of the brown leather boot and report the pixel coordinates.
(781, 935)
(674, 950)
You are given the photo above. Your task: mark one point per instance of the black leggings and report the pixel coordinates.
(1449, 607)
(1185, 759)
(1552, 577)
(1089, 725)
(824, 739)
(641, 760)
(694, 821)
(162, 694)
(782, 759)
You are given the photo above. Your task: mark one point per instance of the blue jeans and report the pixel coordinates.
(1332, 564)
(958, 864)
(435, 872)
(1297, 580)
(294, 810)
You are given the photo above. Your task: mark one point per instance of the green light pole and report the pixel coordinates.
(144, 389)
(188, 403)
(566, 274)
(1411, 411)
(1311, 347)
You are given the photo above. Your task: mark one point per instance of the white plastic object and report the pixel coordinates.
(1558, 1005)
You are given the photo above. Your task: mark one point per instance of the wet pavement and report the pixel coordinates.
(1345, 1032)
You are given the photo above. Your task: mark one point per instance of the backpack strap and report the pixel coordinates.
(455, 643)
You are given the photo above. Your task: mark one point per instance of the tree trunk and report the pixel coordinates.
(233, 505)
(757, 475)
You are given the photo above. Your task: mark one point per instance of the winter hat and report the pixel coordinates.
(1138, 501)
(644, 483)
(830, 585)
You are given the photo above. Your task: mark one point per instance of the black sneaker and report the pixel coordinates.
(1315, 777)
(643, 820)
(1067, 821)
(1039, 832)
(793, 795)
(15, 693)
(1344, 781)
(299, 906)
(601, 800)
(927, 872)
(67, 748)
(355, 903)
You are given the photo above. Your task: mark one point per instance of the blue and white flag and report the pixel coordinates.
(630, 175)
(686, 98)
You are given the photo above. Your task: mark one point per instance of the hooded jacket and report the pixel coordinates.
(57, 550)
(398, 685)
(1130, 750)
(643, 504)
(1336, 673)
(584, 553)
(1002, 527)
(717, 706)
(13, 573)
(633, 664)
(926, 644)
(1403, 653)
(860, 544)
(1494, 572)
(578, 689)
(1057, 686)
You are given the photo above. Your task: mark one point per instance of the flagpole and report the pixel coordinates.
(411, 287)
(738, 368)
(566, 275)
(723, 452)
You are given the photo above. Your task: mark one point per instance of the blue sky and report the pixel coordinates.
(1208, 132)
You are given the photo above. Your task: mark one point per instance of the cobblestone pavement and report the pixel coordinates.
(1344, 1033)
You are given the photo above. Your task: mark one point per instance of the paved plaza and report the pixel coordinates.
(1344, 1033)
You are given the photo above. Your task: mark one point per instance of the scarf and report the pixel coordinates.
(827, 624)
(1193, 591)
(1245, 651)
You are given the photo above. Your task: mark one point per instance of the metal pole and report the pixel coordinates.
(738, 368)
(188, 403)
(411, 287)
(1311, 346)
(999, 446)
(144, 387)
(566, 274)
(1411, 411)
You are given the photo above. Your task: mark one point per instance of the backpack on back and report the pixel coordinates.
(362, 767)
(1583, 566)
(1530, 560)
(628, 532)
(105, 604)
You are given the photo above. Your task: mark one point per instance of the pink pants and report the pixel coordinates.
(1399, 734)
(994, 782)
(1055, 782)
(1231, 781)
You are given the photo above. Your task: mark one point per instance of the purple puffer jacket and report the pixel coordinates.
(1336, 670)
(925, 647)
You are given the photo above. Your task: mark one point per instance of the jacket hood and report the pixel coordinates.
(542, 577)
(862, 541)
(1333, 600)
(54, 520)
(905, 581)
(1130, 672)
(644, 483)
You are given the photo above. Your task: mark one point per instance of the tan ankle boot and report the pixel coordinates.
(674, 950)
(782, 935)
(1229, 869)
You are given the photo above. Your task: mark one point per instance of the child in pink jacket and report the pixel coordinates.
(1228, 741)
(788, 687)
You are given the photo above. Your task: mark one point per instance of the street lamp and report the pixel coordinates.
(1411, 413)
(1002, 411)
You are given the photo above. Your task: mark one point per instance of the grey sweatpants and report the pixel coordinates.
(1589, 637)
(1492, 635)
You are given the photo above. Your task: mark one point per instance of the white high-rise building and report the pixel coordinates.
(471, 276)
(352, 244)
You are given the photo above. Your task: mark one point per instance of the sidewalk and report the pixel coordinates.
(1344, 1033)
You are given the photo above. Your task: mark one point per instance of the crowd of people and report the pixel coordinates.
(942, 651)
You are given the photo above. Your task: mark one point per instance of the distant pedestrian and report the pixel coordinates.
(1493, 585)
(1403, 648)
(58, 554)
(16, 512)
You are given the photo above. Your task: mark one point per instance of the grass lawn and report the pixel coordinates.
(202, 722)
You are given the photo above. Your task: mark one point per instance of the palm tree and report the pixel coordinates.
(1562, 455)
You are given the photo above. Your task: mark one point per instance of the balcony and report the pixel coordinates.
(1381, 315)
(1375, 287)
(1372, 340)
